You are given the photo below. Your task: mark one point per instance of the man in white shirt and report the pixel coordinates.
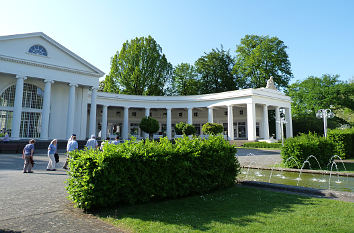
(92, 142)
(71, 146)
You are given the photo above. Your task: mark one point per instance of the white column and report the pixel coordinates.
(251, 121)
(71, 111)
(277, 124)
(16, 119)
(190, 116)
(125, 123)
(168, 124)
(210, 115)
(265, 122)
(46, 109)
(104, 122)
(147, 114)
(93, 108)
(230, 123)
(289, 125)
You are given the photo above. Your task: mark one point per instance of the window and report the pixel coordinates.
(225, 113)
(134, 114)
(6, 120)
(7, 98)
(30, 124)
(32, 96)
(38, 50)
(32, 103)
(241, 112)
(180, 114)
(195, 114)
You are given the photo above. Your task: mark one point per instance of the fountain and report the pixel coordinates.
(300, 176)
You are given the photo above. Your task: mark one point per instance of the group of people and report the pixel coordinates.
(53, 156)
(93, 144)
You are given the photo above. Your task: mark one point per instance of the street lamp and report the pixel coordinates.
(282, 121)
(325, 114)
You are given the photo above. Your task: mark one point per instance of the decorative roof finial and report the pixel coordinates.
(270, 83)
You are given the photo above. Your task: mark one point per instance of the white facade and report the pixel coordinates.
(46, 92)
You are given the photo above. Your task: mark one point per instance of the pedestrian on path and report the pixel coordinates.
(71, 146)
(52, 149)
(116, 141)
(92, 143)
(27, 155)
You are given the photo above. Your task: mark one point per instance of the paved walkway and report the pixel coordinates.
(38, 202)
(258, 158)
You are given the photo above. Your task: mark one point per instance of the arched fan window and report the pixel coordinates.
(38, 50)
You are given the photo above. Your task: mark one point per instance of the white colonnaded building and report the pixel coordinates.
(47, 91)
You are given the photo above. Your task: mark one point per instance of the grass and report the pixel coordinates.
(237, 209)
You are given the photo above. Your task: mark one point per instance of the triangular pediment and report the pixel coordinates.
(17, 47)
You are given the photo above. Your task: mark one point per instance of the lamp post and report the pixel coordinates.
(282, 121)
(325, 114)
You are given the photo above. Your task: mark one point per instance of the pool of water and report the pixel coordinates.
(341, 183)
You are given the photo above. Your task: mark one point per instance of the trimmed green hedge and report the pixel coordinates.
(262, 145)
(305, 145)
(344, 140)
(134, 172)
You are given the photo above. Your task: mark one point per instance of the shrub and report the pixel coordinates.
(305, 145)
(184, 128)
(134, 172)
(149, 125)
(344, 140)
(212, 128)
(262, 145)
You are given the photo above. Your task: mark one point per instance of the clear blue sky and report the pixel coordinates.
(319, 34)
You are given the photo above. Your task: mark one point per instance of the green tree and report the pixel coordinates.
(215, 71)
(212, 128)
(258, 58)
(149, 125)
(139, 68)
(315, 93)
(184, 128)
(184, 80)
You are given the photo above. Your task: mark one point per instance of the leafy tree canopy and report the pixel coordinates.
(139, 68)
(258, 58)
(212, 128)
(184, 128)
(149, 125)
(184, 80)
(316, 93)
(215, 71)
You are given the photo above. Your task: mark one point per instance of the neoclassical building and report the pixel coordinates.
(47, 91)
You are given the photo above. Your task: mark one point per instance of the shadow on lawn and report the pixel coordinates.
(237, 205)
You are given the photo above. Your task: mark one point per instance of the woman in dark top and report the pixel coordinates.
(27, 155)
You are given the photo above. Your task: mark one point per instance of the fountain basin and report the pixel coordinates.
(315, 180)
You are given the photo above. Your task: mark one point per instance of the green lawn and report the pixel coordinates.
(237, 209)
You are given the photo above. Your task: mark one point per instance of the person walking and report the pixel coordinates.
(52, 149)
(27, 155)
(92, 143)
(71, 146)
(116, 141)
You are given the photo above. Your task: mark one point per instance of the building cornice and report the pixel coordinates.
(46, 65)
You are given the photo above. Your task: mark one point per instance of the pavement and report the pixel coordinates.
(37, 202)
(258, 158)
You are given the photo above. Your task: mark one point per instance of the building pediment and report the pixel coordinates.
(38, 49)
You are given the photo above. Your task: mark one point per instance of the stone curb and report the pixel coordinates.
(297, 189)
(303, 171)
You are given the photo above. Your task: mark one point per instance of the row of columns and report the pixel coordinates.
(251, 121)
(251, 115)
(17, 110)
